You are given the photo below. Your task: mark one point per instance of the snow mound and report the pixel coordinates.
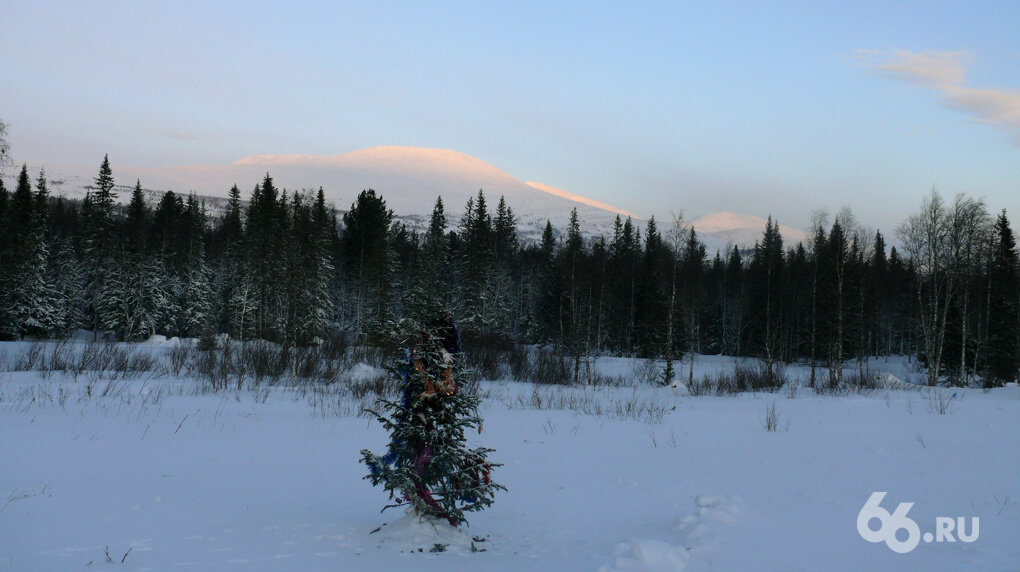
(160, 340)
(648, 555)
(890, 381)
(695, 531)
(411, 533)
(696, 528)
(363, 371)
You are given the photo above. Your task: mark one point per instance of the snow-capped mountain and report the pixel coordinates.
(410, 179)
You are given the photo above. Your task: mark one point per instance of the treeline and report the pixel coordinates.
(283, 267)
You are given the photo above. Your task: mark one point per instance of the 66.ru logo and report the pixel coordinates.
(891, 524)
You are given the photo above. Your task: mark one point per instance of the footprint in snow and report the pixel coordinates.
(693, 531)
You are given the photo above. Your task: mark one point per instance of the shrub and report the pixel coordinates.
(550, 368)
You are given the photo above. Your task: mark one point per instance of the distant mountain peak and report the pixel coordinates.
(408, 178)
(724, 229)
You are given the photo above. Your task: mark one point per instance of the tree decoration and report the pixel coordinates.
(428, 465)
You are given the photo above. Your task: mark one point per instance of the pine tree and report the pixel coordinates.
(428, 466)
(1003, 307)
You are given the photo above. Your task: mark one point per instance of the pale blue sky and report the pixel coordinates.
(653, 107)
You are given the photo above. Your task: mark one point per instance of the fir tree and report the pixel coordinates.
(428, 466)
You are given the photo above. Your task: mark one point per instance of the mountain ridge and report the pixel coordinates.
(410, 179)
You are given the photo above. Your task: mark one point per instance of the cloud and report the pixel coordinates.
(946, 73)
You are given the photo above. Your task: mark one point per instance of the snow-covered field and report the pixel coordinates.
(159, 473)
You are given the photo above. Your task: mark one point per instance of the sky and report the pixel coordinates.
(762, 108)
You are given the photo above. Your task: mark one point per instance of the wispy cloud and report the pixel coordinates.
(946, 73)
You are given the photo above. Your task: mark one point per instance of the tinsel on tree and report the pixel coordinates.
(428, 465)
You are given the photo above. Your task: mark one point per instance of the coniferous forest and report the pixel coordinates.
(287, 267)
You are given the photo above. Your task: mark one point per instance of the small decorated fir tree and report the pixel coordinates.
(428, 465)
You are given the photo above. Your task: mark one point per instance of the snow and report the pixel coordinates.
(165, 474)
(363, 371)
(408, 178)
(161, 340)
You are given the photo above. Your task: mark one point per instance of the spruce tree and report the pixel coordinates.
(367, 256)
(67, 280)
(7, 328)
(428, 466)
(319, 310)
(1004, 306)
(28, 298)
(99, 247)
(436, 255)
(651, 306)
(194, 297)
(766, 288)
(693, 295)
(267, 253)
(475, 265)
(229, 264)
